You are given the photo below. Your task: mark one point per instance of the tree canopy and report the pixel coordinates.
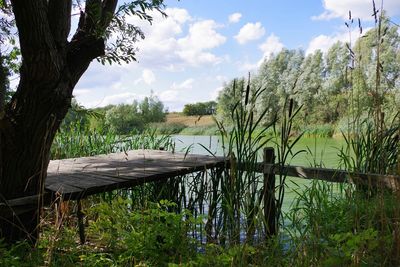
(325, 82)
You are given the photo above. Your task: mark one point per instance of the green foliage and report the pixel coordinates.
(152, 109)
(124, 118)
(18, 254)
(153, 235)
(243, 143)
(369, 151)
(121, 34)
(331, 85)
(200, 108)
(78, 115)
(228, 97)
(83, 142)
(336, 226)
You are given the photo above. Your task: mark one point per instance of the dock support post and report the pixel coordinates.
(269, 193)
(81, 224)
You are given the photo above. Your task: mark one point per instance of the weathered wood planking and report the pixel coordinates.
(80, 177)
(333, 175)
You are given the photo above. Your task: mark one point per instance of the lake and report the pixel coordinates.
(322, 151)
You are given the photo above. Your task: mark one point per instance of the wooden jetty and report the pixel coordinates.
(75, 179)
(78, 178)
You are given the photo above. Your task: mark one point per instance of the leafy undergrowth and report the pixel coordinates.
(324, 229)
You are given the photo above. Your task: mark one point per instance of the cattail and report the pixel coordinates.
(246, 101)
(290, 107)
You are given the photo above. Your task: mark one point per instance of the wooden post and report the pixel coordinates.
(81, 225)
(269, 193)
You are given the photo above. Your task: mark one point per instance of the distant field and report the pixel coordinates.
(190, 121)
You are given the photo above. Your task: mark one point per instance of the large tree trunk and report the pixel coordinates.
(51, 67)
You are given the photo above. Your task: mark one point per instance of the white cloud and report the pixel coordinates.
(214, 94)
(148, 76)
(324, 42)
(80, 92)
(174, 93)
(250, 32)
(168, 45)
(124, 98)
(202, 37)
(168, 95)
(221, 78)
(235, 17)
(271, 46)
(247, 67)
(186, 84)
(359, 9)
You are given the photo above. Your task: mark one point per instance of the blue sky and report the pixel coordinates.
(188, 56)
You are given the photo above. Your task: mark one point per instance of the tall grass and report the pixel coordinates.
(241, 187)
(80, 142)
(372, 141)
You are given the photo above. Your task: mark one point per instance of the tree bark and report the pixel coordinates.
(51, 67)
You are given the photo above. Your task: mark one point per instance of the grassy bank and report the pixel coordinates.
(178, 123)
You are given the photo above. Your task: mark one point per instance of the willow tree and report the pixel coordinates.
(53, 61)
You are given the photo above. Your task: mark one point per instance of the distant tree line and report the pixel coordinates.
(330, 86)
(121, 119)
(200, 108)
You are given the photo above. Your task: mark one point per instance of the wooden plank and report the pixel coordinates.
(62, 188)
(334, 175)
(77, 178)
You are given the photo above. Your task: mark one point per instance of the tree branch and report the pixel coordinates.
(33, 26)
(81, 52)
(88, 42)
(92, 15)
(59, 16)
(108, 11)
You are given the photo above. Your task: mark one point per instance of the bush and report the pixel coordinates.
(153, 235)
(201, 108)
(123, 119)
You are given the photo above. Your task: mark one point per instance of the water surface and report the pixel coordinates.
(322, 152)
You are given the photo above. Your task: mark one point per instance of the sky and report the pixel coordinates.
(202, 44)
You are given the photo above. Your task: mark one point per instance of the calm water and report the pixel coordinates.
(322, 151)
(318, 151)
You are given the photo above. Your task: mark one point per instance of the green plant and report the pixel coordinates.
(153, 234)
(82, 142)
(241, 192)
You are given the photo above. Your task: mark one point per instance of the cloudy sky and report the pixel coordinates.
(188, 56)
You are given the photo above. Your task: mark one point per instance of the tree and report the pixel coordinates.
(228, 97)
(8, 53)
(278, 76)
(123, 119)
(51, 66)
(200, 108)
(152, 109)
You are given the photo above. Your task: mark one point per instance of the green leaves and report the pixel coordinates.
(153, 234)
(122, 35)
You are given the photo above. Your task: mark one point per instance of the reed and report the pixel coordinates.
(81, 141)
